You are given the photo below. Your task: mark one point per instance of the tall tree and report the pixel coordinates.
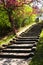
(9, 5)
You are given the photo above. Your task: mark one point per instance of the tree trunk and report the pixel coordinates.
(11, 19)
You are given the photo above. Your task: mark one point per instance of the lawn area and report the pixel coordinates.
(6, 39)
(38, 58)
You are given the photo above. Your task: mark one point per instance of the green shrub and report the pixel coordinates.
(4, 22)
(22, 16)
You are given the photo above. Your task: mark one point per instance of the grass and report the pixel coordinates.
(38, 58)
(6, 39)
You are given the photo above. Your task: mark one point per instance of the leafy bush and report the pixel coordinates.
(4, 22)
(22, 16)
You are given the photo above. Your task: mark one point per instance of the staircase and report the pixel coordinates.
(20, 47)
(24, 46)
(34, 30)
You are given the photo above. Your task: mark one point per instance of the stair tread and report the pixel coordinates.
(29, 37)
(22, 45)
(16, 49)
(26, 39)
(24, 42)
(16, 54)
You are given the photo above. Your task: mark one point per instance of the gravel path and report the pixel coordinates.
(14, 61)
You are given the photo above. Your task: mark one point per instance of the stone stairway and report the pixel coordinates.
(34, 30)
(20, 47)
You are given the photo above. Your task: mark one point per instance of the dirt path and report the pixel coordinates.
(14, 61)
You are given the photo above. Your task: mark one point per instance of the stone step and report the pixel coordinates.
(31, 37)
(26, 40)
(16, 50)
(20, 46)
(13, 55)
(22, 42)
(34, 49)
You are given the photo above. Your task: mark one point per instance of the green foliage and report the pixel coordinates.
(27, 8)
(22, 16)
(33, 17)
(7, 39)
(41, 37)
(4, 21)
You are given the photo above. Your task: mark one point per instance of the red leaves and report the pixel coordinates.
(17, 3)
(11, 3)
